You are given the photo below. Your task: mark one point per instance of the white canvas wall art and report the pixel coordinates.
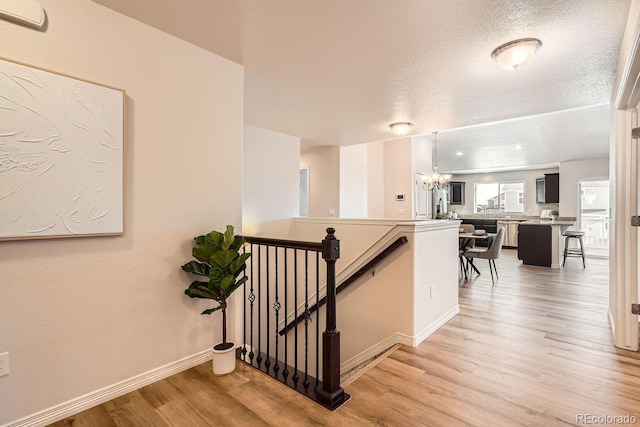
(61, 155)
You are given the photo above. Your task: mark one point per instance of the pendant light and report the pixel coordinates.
(437, 180)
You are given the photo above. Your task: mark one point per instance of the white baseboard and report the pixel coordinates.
(74, 406)
(399, 338)
(369, 353)
(430, 329)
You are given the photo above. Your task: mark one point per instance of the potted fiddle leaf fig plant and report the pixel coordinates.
(218, 258)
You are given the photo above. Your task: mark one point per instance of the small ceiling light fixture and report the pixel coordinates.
(459, 153)
(517, 147)
(436, 180)
(516, 53)
(401, 128)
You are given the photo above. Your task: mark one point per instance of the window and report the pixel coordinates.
(499, 197)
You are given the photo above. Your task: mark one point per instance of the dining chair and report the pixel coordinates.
(464, 245)
(492, 253)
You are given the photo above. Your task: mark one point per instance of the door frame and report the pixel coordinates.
(624, 184)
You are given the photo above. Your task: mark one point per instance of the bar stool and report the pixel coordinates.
(573, 234)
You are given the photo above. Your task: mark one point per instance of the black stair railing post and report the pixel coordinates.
(331, 393)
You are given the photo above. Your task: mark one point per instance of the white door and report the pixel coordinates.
(421, 198)
(624, 250)
(624, 182)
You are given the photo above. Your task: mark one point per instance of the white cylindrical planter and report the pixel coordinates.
(224, 361)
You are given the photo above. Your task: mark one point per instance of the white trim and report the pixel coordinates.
(89, 400)
(628, 93)
(369, 353)
(612, 321)
(430, 329)
(399, 338)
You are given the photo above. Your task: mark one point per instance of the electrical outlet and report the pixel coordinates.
(4, 364)
(332, 212)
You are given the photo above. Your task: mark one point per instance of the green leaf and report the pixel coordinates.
(237, 285)
(238, 265)
(214, 238)
(203, 252)
(199, 240)
(200, 290)
(211, 310)
(228, 238)
(226, 283)
(222, 259)
(198, 268)
(238, 241)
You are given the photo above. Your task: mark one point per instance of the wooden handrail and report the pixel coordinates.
(291, 244)
(349, 280)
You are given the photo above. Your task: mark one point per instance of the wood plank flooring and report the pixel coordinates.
(535, 349)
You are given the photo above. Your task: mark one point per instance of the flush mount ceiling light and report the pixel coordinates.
(401, 128)
(516, 53)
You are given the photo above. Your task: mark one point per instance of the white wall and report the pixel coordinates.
(421, 154)
(398, 178)
(375, 180)
(324, 180)
(571, 173)
(77, 315)
(353, 181)
(529, 176)
(271, 171)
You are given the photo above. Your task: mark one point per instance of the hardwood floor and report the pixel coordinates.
(535, 349)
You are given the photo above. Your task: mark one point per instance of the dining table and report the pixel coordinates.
(465, 240)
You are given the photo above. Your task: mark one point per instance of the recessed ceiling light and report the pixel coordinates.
(459, 153)
(517, 147)
(401, 128)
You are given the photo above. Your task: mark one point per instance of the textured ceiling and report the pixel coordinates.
(339, 72)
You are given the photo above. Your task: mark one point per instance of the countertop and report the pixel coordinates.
(556, 223)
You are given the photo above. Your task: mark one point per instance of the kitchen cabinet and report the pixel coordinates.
(510, 233)
(548, 188)
(456, 193)
(489, 225)
(534, 244)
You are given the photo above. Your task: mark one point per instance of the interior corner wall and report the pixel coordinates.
(398, 179)
(571, 173)
(81, 314)
(271, 176)
(353, 181)
(324, 180)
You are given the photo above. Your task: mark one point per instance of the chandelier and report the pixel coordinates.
(437, 180)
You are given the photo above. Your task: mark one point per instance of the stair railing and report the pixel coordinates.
(274, 280)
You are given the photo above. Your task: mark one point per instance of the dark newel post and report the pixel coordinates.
(331, 394)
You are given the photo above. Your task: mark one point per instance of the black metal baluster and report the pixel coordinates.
(317, 387)
(285, 371)
(295, 314)
(267, 362)
(252, 298)
(244, 311)
(259, 358)
(276, 307)
(307, 315)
